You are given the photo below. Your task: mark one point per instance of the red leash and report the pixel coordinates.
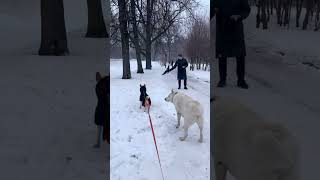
(155, 142)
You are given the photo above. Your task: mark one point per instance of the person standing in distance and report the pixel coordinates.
(230, 41)
(182, 65)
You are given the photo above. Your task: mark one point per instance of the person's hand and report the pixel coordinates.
(235, 17)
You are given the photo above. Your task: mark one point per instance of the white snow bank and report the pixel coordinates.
(133, 154)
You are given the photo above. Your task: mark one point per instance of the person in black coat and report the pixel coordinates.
(182, 64)
(230, 40)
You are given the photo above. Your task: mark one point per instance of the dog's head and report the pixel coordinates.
(170, 97)
(143, 89)
(102, 86)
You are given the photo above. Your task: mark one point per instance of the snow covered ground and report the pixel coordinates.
(294, 44)
(47, 103)
(133, 154)
(47, 116)
(282, 89)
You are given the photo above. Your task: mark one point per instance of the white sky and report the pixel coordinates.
(204, 6)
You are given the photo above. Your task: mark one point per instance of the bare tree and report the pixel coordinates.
(299, 4)
(317, 19)
(157, 16)
(283, 12)
(198, 43)
(123, 16)
(149, 21)
(53, 29)
(96, 25)
(136, 40)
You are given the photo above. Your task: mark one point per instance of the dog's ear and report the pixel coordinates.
(98, 76)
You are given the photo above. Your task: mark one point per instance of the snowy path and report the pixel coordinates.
(133, 154)
(282, 89)
(47, 112)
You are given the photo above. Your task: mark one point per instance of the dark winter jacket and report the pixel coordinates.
(230, 41)
(182, 65)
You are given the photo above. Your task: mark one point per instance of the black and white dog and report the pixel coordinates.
(145, 100)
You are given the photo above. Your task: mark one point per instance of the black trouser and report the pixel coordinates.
(240, 68)
(184, 81)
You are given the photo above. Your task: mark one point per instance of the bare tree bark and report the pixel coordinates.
(148, 34)
(317, 20)
(299, 4)
(309, 4)
(96, 26)
(53, 29)
(136, 40)
(123, 16)
(278, 11)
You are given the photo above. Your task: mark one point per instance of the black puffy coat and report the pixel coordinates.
(182, 65)
(230, 41)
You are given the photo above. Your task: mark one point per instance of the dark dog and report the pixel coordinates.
(102, 112)
(145, 100)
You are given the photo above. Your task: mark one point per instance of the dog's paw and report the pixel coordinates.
(200, 140)
(182, 138)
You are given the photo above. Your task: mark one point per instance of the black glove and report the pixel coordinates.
(165, 72)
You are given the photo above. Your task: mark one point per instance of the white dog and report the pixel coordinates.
(250, 148)
(189, 109)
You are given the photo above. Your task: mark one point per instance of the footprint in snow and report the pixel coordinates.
(134, 156)
(142, 130)
(129, 138)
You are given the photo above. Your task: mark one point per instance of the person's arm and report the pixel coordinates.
(168, 70)
(174, 66)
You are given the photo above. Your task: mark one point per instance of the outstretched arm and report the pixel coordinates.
(168, 70)
(173, 67)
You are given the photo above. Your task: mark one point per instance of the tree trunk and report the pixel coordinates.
(298, 13)
(264, 15)
(148, 35)
(136, 41)
(126, 73)
(53, 29)
(258, 17)
(96, 26)
(309, 4)
(278, 11)
(317, 20)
